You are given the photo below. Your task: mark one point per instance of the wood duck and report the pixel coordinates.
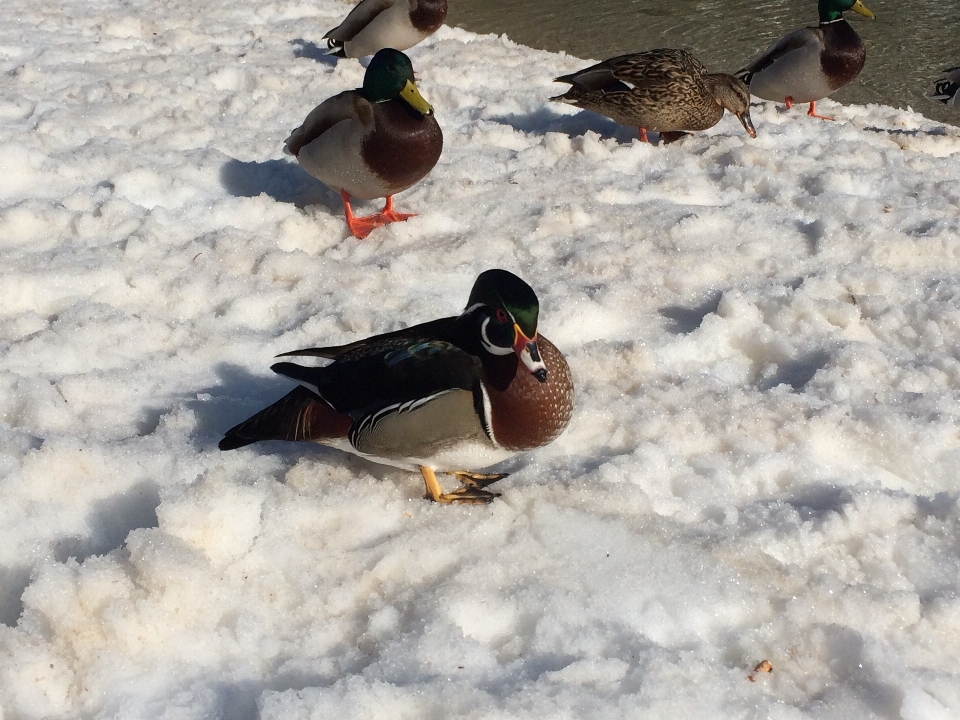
(376, 24)
(453, 395)
(810, 63)
(371, 142)
(664, 90)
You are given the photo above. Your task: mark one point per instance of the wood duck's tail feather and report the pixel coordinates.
(298, 415)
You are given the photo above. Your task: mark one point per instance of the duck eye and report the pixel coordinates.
(501, 315)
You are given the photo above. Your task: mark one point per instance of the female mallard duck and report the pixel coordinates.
(376, 24)
(668, 91)
(452, 395)
(947, 89)
(809, 64)
(371, 142)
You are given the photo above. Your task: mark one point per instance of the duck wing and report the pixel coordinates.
(348, 105)
(393, 375)
(361, 16)
(637, 70)
(787, 44)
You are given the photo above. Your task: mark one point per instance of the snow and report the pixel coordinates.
(762, 465)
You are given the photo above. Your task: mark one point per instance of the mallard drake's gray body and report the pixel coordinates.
(664, 90)
(811, 63)
(452, 395)
(377, 24)
(371, 142)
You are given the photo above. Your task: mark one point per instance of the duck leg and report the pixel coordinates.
(643, 135)
(360, 227)
(470, 493)
(812, 112)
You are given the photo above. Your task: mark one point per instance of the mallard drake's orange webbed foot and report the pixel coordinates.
(360, 227)
(812, 112)
(471, 491)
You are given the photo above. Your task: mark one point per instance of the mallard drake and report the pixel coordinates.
(371, 142)
(946, 89)
(668, 91)
(453, 395)
(376, 24)
(809, 64)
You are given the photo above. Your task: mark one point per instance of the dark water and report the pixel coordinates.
(908, 45)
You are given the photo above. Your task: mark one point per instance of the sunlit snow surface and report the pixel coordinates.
(764, 462)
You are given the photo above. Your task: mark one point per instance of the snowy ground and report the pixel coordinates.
(764, 463)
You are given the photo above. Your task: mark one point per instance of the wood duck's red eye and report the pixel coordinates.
(501, 315)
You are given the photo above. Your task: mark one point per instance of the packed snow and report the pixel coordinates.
(763, 464)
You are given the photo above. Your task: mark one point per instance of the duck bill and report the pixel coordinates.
(529, 354)
(415, 100)
(747, 123)
(859, 7)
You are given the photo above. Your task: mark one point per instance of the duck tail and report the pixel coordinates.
(335, 48)
(945, 90)
(298, 415)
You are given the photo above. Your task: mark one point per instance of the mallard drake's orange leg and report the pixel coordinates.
(788, 101)
(470, 493)
(360, 227)
(812, 112)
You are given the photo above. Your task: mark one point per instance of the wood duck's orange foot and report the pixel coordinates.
(471, 493)
(812, 112)
(477, 480)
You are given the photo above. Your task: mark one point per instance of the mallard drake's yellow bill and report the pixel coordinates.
(859, 7)
(414, 99)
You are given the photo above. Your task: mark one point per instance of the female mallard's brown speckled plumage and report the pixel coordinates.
(664, 90)
(452, 395)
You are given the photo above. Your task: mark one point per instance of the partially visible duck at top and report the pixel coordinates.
(371, 142)
(947, 89)
(376, 24)
(664, 90)
(811, 63)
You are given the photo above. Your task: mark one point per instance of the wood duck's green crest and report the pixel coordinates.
(831, 10)
(507, 310)
(389, 76)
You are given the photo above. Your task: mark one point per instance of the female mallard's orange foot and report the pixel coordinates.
(360, 227)
(812, 112)
(471, 492)
(669, 136)
(788, 101)
(643, 135)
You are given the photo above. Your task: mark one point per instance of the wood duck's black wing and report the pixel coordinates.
(388, 372)
(442, 329)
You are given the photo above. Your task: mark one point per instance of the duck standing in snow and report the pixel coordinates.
(376, 24)
(811, 63)
(371, 142)
(667, 91)
(451, 396)
(947, 89)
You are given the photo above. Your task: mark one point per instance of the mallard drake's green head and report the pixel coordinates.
(390, 76)
(507, 310)
(831, 10)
